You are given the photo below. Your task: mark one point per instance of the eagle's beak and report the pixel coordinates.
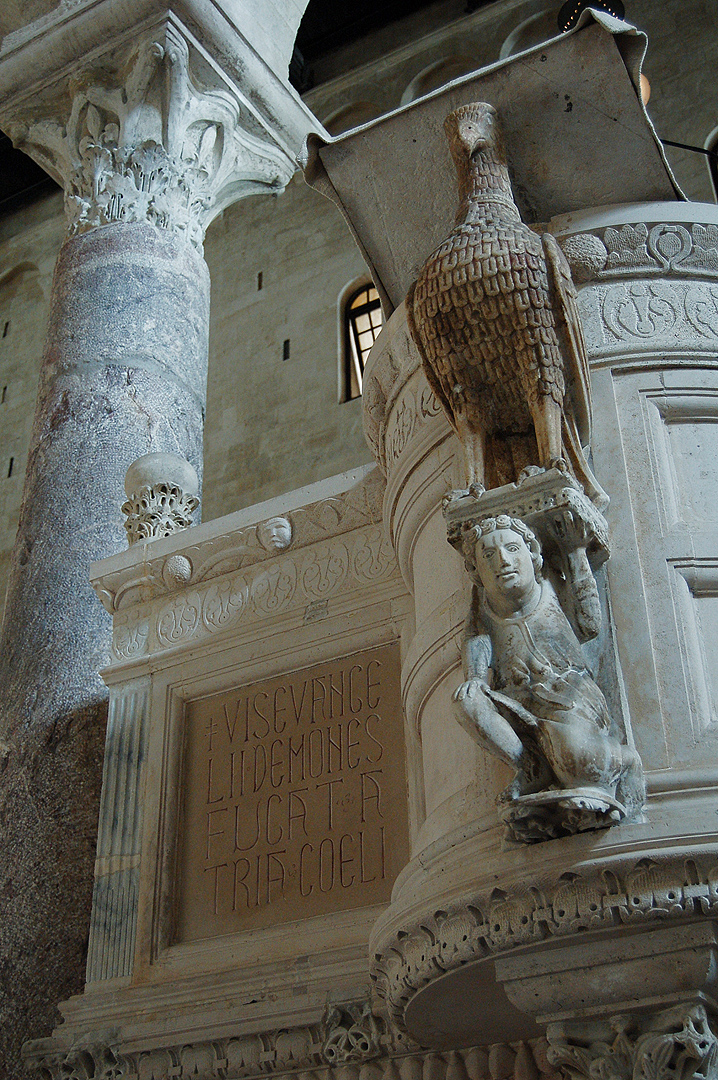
(473, 138)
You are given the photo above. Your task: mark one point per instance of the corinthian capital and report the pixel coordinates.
(676, 1043)
(151, 128)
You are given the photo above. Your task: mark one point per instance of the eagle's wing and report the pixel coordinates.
(568, 324)
(431, 376)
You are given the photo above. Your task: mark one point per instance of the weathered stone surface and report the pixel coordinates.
(294, 797)
(493, 314)
(119, 379)
(123, 374)
(49, 792)
(542, 713)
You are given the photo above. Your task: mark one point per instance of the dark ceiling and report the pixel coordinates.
(21, 180)
(327, 24)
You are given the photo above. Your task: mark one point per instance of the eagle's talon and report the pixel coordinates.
(452, 496)
(530, 470)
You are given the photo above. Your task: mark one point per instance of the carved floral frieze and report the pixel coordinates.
(241, 548)
(663, 249)
(645, 315)
(653, 286)
(291, 582)
(296, 1051)
(398, 402)
(484, 925)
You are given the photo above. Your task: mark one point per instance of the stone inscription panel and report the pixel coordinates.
(295, 799)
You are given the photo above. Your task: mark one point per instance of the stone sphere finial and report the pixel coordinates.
(162, 494)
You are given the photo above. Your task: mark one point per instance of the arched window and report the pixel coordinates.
(351, 116)
(711, 145)
(540, 27)
(363, 319)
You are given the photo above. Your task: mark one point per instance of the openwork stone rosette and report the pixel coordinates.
(159, 510)
(676, 1044)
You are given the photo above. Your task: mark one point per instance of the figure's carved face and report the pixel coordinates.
(275, 534)
(505, 569)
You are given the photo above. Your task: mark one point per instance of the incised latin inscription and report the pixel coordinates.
(295, 797)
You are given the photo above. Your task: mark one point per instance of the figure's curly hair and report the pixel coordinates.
(488, 525)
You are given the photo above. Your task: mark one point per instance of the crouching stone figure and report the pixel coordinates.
(530, 698)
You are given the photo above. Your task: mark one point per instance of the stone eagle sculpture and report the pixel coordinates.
(494, 316)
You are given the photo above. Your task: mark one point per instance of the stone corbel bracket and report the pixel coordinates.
(149, 125)
(538, 500)
(572, 532)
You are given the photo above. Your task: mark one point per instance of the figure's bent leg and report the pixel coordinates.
(486, 726)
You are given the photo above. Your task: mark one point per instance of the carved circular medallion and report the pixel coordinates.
(176, 571)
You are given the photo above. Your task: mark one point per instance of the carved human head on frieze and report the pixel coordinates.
(275, 534)
(503, 556)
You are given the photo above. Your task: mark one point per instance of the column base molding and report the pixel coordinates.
(296, 1052)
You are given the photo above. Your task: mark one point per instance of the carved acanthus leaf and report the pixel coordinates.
(145, 142)
(159, 510)
(673, 1045)
(240, 548)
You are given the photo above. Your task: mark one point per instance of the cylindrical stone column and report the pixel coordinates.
(124, 373)
(148, 154)
(485, 936)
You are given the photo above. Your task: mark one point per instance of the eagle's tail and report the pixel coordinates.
(579, 465)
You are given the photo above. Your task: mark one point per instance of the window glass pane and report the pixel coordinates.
(364, 320)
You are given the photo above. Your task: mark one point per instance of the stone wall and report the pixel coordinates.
(29, 242)
(275, 424)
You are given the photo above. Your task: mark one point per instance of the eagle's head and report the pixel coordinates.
(471, 129)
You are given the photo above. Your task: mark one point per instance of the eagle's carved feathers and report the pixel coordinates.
(494, 315)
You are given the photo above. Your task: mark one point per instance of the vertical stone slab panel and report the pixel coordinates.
(117, 866)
